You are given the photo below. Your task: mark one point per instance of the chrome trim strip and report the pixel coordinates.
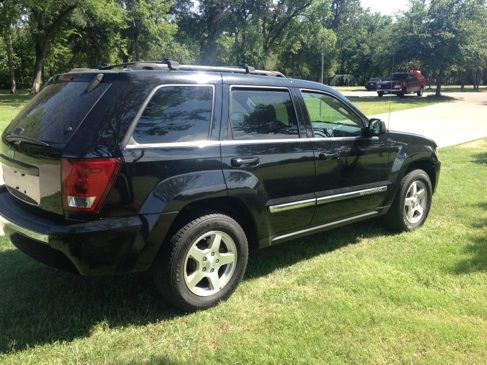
(350, 195)
(231, 142)
(293, 205)
(25, 231)
(331, 224)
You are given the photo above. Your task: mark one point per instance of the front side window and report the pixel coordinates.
(176, 114)
(330, 118)
(262, 114)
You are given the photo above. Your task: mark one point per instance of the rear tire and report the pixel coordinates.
(420, 92)
(380, 94)
(203, 263)
(412, 202)
(401, 94)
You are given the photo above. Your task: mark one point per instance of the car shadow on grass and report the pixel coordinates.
(476, 248)
(480, 158)
(41, 305)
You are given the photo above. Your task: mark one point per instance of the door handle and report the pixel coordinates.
(329, 156)
(245, 161)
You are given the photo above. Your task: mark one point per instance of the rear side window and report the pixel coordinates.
(263, 114)
(176, 114)
(57, 111)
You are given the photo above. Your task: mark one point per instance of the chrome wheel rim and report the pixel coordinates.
(415, 202)
(210, 263)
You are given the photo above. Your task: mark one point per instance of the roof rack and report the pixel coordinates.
(173, 66)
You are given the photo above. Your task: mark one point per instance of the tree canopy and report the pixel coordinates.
(443, 38)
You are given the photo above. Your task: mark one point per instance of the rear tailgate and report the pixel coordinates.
(32, 145)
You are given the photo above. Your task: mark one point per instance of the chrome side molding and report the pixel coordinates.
(325, 199)
(324, 226)
(350, 195)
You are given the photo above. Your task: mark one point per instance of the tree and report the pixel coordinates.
(149, 32)
(473, 52)
(9, 15)
(45, 19)
(429, 32)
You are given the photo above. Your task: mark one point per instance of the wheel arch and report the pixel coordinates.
(427, 166)
(231, 206)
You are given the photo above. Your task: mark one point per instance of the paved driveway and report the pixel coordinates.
(448, 123)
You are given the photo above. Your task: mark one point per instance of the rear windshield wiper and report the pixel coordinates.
(16, 138)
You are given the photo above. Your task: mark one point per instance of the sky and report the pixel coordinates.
(385, 7)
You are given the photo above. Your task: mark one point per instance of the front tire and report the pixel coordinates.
(420, 92)
(380, 94)
(203, 263)
(412, 203)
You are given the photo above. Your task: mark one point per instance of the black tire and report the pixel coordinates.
(171, 266)
(397, 217)
(380, 94)
(401, 94)
(420, 92)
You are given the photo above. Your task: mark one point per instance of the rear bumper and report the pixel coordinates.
(91, 247)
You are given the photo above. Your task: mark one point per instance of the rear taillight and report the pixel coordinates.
(86, 183)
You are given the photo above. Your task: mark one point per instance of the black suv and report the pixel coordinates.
(181, 169)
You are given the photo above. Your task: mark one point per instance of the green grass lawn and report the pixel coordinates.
(374, 105)
(358, 294)
(10, 106)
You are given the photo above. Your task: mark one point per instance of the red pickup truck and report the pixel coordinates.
(403, 83)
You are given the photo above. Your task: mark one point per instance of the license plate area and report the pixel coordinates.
(23, 181)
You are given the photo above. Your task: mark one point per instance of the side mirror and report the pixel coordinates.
(377, 127)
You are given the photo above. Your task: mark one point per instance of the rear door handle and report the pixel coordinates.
(329, 156)
(245, 161)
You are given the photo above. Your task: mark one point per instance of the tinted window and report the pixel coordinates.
(330, 118)
(399, 77)
(57, 111)
(176, 114)
(263, 114)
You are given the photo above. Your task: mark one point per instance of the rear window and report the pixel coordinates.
(57, 111)
(176, 114)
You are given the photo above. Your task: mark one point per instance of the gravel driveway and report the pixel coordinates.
(449, 123)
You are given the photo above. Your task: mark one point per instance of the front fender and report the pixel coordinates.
(409, 156)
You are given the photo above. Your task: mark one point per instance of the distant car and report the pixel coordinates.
(371, 85)
(403, 83)
(343, 80)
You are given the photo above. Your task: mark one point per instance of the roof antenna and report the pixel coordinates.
(172, 65)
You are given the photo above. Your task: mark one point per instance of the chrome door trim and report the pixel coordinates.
(293, 205)
(350, 195)
(323, 226)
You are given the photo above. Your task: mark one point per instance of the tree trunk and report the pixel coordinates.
(10, 60)
(438, 84)
(40, 54)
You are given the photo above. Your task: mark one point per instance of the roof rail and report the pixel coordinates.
(173, 66)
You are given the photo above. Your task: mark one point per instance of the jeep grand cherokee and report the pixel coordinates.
(181, 169)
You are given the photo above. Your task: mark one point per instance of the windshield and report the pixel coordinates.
(56, 112)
